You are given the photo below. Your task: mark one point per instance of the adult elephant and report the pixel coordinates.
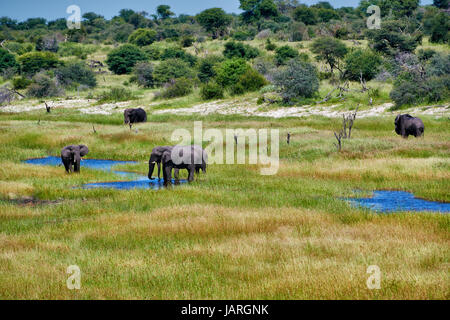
(71, 157)
(156, 158)
(134, 116)
(191, 158)
(406, 125)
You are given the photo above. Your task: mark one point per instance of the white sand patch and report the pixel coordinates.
(107, 108)
(76, 103)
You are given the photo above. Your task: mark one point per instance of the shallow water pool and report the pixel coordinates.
(136, 181)
(394, 201)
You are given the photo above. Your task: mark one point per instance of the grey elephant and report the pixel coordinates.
(156, 158)
(131, 116)
(71, 157)
(406, 125)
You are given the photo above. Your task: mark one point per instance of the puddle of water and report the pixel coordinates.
(394, 201)
(137, 181)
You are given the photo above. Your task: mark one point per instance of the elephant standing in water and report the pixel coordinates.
(406, 125)
(199, 162)
(134, 116)
(71, 157)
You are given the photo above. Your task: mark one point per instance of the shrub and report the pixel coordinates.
(363, 63)
(44, 86)
(235, 49)
(123, 59)
(152, 52)
(172, 69)
(21, 83)
(306, 15)
(142, 37)
(33, 62)
(270, 46)
(285, 53)
(229, 72)
(297, 79)
(206, 68)
(211, 90)
(438, 65)
(7, 60)
(18, 48)
(177, 88)
(250, 81)
(76, 73)
(187, 41)
(116, 94)
(178, 53)
(47, 44)
(440, 28)
(425, 54)
(143, 74)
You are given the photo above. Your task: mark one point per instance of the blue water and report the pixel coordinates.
(137, 181)
(394, 201)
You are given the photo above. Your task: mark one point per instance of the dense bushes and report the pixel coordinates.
(115, 94)
(20, 83)
(44, 86)
(33, 62)
(75, 73)
(362, 63)
(284, 54)
(206, 68)
(296, 80)
(142, 37)
(7, 61)
(78, 50)
(143, 74)
(123, 59)
(177, 88)
(239, 50)
(172, 69)
(178, 53)
(229, 72)
(211, 90)
(250, 81)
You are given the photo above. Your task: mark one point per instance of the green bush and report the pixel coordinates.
(76, 73)
(142, 37)
(250, 81)
(270, 46)
(306, 15)
(44, 86)
(298, 79)
(187, 41)
(21, 83)
(123, 59)
(7, 60)
(79, 50)
(172, 69)
(440, 28)
(211, 90)
(177, 88)
(18, 48)
(206, 68)
(438, 65)
(143, 74)
(152, 52)
(363, 63)
(33, 62)
(284, 54)
(116, 94)
(235, 49)
(229, 71)
(178, 53)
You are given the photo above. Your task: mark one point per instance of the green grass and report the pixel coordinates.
(232, 233)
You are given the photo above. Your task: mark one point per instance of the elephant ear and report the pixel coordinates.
(166, 157)
(397, 118)
(83, 150)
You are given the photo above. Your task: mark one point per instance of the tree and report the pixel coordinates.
(7, 61)
(296, 80)
(254, 9)
(76, 73)
(206, 68)
(362, 63)
(440, 28)
(441, 4)
(329, 50)
(214, 20)
(229, 72)
(164, 12)
(33, 62)
(306, 15)
(122, 59)
(142, 37)
(143, 74)
(235, 49)
(172, 69)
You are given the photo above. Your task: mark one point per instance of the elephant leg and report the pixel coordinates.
(167, 172)
(176, 173)
(66, 164)
(191, 174)
(159, 170)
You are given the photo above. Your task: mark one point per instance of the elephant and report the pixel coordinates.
(191, 158)
(71, 157)
(406, 125)
(134, 116)
(156, 157)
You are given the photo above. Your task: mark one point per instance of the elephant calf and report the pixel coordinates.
(406, 125)
(71, 157)
(134, 116)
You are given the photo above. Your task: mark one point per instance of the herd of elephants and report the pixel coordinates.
(194, 158)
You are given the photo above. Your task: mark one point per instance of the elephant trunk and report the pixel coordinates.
(151, 166)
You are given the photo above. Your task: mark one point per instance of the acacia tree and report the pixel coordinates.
(329, 50)
(254, 9)
(214, 20)
(164, 12)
